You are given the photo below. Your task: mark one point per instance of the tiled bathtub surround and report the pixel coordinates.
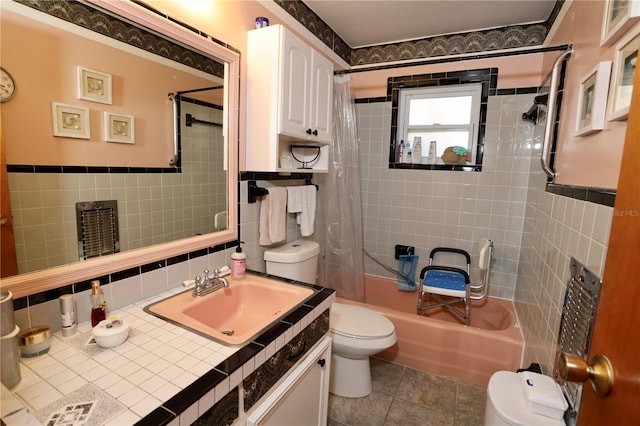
(426, 208)
(555, 229)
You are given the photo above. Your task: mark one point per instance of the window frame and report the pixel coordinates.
(473, 90)
(487, 77)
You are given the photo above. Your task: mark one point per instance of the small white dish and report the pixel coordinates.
(111, 332)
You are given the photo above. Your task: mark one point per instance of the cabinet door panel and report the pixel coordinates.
(296, 80)
(302, 398)
(322, 96)
(299, 406)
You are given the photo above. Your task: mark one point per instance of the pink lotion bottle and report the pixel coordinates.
(238, 264)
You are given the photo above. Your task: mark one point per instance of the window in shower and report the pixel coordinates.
(447, 115)
(449, 108)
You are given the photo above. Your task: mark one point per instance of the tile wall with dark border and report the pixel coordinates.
(487, 77)
(603, 196)
(49, 295)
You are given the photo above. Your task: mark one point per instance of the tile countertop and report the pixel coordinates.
(146, 378)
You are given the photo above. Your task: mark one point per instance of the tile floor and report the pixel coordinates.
(404, 396)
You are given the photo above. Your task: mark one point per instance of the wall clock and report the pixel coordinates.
(7, 86)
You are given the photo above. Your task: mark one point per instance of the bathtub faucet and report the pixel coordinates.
(206, 285)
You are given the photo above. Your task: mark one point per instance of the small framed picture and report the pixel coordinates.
(119, 128)
(624, 69)
(592, 101)
(70, 121)
(619, 16)
(94, 86)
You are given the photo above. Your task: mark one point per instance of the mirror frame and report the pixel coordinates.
(46, 279)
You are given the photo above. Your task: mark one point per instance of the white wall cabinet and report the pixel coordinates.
(289, 102)
(302, 398)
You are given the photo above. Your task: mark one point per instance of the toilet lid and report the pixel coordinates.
(358, 322)
(504, 393)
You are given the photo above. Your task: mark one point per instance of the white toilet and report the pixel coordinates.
(297, 260)
(507, 406)
(357, 332)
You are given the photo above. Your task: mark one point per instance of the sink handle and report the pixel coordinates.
(206, 275)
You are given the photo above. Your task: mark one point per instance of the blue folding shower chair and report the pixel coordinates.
(448, 281)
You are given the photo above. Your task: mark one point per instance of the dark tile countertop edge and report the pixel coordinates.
(171, 409)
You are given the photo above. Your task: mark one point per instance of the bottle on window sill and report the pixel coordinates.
(417, 150)
(432, 152)
(407, 153)
(400, 158)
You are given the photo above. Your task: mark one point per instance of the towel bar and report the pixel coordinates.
(254, 191)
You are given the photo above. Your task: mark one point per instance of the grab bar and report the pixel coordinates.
(173, 162)
(551, 115)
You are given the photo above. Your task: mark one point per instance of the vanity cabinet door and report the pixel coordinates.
(302, 398)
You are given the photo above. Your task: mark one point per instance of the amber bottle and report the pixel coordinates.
(98, 304)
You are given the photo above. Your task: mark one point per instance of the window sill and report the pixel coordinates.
(447, 167)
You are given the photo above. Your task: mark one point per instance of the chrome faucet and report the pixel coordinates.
(209, 284)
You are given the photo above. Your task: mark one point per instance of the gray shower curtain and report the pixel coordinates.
(342, 266)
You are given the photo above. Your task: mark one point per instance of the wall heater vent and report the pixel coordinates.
(97, 223)
(576, 325)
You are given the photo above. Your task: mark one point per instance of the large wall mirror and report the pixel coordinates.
(116, 156)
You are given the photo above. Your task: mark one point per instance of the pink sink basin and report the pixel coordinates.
(236, 314)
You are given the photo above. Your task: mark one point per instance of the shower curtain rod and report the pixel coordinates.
(199, 90)
(471, 57)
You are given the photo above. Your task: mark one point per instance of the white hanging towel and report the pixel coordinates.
(302, 201)
(273, 217)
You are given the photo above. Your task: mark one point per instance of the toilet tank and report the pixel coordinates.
(297, 260)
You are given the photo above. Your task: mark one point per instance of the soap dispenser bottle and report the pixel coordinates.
(98, 304)
(238, 263)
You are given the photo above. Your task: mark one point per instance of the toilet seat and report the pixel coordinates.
(357, 322)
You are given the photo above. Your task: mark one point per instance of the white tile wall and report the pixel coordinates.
(426, 209)
(250, 224)
(152, 208)
(556, 228)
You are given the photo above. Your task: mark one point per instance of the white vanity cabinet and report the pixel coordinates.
(302, 397)
(289, 102)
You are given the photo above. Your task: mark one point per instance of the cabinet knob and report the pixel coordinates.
(322, 362)
(315, 133)
(308, 131)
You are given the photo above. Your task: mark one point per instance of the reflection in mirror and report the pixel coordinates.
(173, 182)
(203, 152)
